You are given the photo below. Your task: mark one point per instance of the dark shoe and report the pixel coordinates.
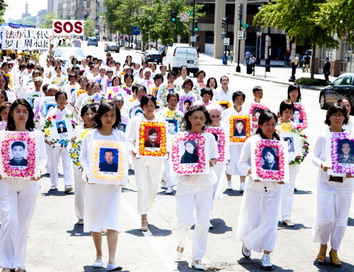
(245, 251)
(288, 223)
(68, 189)
(333, 256)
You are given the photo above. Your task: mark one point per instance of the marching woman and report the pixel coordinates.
(233, 168)
(18, 195)
(258, 219)
(334, 194)
(102, 201)
(87, 116)
(195, 192)
(148, 170)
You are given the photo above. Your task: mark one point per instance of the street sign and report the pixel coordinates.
(184, 17)
(193, 38)
(241, 35)
(259, 34)
(226, 41)
(136, 30)
(245, 25)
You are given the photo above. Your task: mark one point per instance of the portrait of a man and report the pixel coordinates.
(345, 152)
(108, 160)
(18, 150)
(239, 130)
(61, 127)
(152, 138)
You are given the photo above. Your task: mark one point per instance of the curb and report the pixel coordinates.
(314, 88)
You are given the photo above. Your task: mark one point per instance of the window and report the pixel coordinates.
(208, 8)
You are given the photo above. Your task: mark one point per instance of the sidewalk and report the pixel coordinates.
(279, 74)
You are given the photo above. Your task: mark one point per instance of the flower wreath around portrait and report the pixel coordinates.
(99, 177)
(184, 98)
(185, 168)
(247, 126)
(19, 172)
(340, 168)
(225, 103)
(49, 125)
(254, 107)
(272, 175)
(303, 116)
(162, 150)
(221, 141)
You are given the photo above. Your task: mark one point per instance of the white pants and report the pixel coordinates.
(166, 176)
(287, 194)
(332, 211)
(48, 149)
(19, 199)
(147, 180)
(79, 185)
(217, 187)
(186, 199)
(55, 154)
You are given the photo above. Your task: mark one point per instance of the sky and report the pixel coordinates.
(15, 8)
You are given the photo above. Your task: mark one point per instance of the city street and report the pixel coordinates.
(56, 243)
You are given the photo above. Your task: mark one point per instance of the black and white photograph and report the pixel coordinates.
(269, 159)
(290, 141)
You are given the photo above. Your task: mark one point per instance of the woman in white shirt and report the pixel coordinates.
(19, 195)
(102, 201)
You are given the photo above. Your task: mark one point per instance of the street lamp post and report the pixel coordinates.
(193, 23)
(240, 15)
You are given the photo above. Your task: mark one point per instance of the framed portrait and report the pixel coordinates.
(189, 154)
(240, 128)
(110, 162)
(30, 97)
(293, 143)
(172, 126)
(224, 104)
(40, 105)
(185, 102)
(255, 110)
(152, 139)
(220, 138)
(48, 106)
(270, 160)
(18, 160)
(342, 154)
(299, 116)
(60, 129)
(122, 127)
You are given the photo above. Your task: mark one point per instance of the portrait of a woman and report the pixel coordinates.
(239, 128)
(153, 137)
(191, 152)
(270, 159)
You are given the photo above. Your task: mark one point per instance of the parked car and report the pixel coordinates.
(64, 54)
(180, 55)
(342, 87)
(112, 46)
(92, 41)
(153, 56)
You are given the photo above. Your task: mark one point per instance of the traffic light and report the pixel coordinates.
(196, 28)
(224, 22)
(173, 16)
(240, 11)
(197, 38)
(85, 17)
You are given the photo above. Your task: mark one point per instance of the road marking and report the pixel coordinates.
(168, 262)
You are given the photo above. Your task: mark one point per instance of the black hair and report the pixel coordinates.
(200, 72)
(172, 73)
(286, 105)
(146, 98)
(128, 75)
(293, 88)
(208, 82)
(59, 93)
(271, 150)
(87, 107)
(333, 110)
(5, 95)
(206, 91)
(30, 121)
(193, 109)
(18, 143)
(188, 80)
(265, 116)
(82, 78)
(102, 109)
(6, 87)
(223, 77)
(108, 150)
(152, 131)
(117, 77)
(158, 76)
(172, 95)
(237, 94)
(195, 150)
(257, 88)
(288, 138)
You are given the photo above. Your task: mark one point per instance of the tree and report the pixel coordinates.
(298, 19)
(3, 7)
(48, 20)
(89, 28)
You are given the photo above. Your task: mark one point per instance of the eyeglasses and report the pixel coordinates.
(337, 116)
(215, 116)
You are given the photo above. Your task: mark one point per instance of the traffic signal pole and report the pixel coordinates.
(240, 15)
(193, 23)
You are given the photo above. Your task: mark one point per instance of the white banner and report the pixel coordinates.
(25, 38)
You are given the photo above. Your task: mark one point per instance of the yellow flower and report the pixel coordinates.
(73, 155)
(75, 146)
(170, 114)
(47, 132)
(78, 163)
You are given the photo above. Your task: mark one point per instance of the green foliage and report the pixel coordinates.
(311, 81)
(3, 7)
(89, 28)
(48, 20)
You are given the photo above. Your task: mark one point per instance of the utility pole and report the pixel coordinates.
(240, 16)
(193, 23)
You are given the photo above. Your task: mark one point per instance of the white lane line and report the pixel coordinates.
(170, 264)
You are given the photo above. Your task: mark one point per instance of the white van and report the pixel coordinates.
(180, 55)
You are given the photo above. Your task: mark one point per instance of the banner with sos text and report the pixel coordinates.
(65, 27)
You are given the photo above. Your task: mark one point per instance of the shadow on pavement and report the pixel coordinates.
(78, 230)
(89, 268)
(127, 190)
(159, 232)
(255, 265)
(302, 192)
(219, 226)
(57, 193)
(346, 267)
(232, 193)
(281, 226)
(164, 193)
(135, 232)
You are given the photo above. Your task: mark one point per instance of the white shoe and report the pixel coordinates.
(242, 187)
(113, 267)
(198, 266)
(229, 185)
(245, 251)
(98, 263)
(169, 190)
(163, 184)
(266, 263)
